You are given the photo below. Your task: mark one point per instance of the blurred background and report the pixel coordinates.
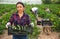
(7, 7)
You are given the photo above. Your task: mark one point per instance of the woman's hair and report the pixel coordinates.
(20, 3)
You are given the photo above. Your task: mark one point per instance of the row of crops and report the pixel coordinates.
(4, 9)
(5, 13)
(5, 18)
(54, 15)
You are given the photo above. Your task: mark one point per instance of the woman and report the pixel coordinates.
(19, 18)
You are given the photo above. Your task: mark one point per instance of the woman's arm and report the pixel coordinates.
(29, 23)
(11, 20)
(28, 20)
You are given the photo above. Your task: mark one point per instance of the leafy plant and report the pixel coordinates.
(54, 15)
(1, 29)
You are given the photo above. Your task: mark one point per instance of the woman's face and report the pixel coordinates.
(20, 7)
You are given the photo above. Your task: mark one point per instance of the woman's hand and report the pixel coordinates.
(8, 24)
(32, 24)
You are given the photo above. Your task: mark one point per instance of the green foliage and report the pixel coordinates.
(36, 31)
(1, 29)
(54, 15)
(58, 26)
(51, 1)
(5, 9)
(47, 1)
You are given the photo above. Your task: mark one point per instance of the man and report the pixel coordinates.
(34, 10)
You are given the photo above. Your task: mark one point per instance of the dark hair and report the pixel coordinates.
(20, 3)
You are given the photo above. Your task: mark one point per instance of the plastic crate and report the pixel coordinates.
(19, 30)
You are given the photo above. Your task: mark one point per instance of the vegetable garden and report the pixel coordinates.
(6, 11)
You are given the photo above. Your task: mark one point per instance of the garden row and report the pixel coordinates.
(5, 8)
(53, 16)
(5, 18)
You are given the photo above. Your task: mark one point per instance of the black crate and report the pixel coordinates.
(46, 22)
(21, 31)
(39, 22)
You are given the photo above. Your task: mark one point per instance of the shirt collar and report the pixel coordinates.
(18, 15)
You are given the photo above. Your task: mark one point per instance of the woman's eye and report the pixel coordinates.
(19, 7)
